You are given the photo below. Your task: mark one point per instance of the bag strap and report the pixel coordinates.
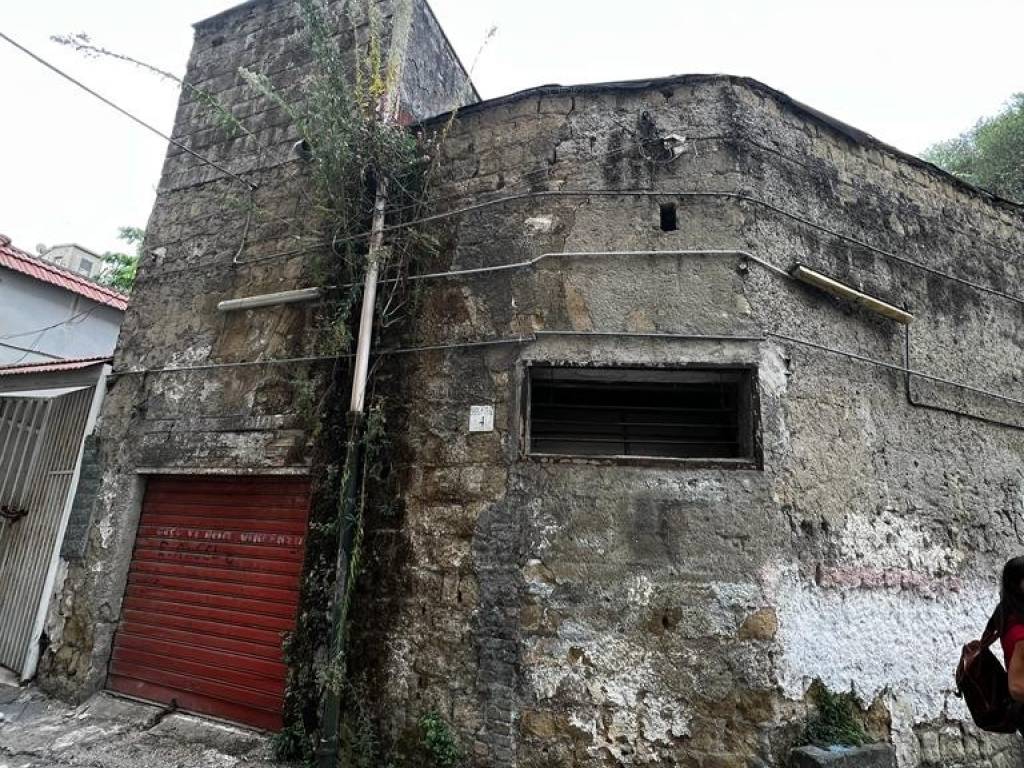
(993, 629)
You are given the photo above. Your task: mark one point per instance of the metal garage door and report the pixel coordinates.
(212, 588)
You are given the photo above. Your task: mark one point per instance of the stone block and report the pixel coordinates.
(871, 756)
(762, 625)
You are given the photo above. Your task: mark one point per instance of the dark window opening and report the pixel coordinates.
(693, 413)
(669, 223)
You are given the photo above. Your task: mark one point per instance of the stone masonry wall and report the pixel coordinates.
(593, 613)
(208, 239)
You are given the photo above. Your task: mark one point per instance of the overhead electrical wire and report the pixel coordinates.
(28, 351)
(723, 194)
(520, 183)
(894, 367)
(612, 334)
(526, 178)
(506, 198)
(668, 193)
(533, 337)
(522, 180)
(125, 112)
(909, 392)
(571, 165)
(534, 261)
(73, 319)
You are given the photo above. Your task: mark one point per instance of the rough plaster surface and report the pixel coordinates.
(589, 613)
(882, 641)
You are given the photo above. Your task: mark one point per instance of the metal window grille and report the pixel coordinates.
(694, 413)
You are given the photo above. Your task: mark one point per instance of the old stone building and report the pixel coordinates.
(707, 483)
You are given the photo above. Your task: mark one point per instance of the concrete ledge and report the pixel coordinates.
(872, 756)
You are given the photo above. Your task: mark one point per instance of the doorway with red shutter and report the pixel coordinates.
(212, 589)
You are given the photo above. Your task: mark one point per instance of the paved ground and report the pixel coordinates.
(109, 732)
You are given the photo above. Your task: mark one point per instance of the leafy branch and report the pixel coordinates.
(989, 155)
(119, 269)
(83, 44)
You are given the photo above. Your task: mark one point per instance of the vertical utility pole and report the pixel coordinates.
(387, 112)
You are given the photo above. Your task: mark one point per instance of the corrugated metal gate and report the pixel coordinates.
(212, 588)
(40, 441)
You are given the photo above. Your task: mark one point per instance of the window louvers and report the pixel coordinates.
(685, 414)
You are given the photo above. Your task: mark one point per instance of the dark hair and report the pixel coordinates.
(1011, 592)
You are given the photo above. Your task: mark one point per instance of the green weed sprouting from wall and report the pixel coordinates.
(439, 743)
(837, 720)
(358, 736)
(349, 149)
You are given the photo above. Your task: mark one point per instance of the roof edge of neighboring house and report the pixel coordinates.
(90, 251)
(17, 260)
(856, 135)
(70, 364)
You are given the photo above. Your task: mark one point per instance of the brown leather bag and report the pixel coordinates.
(982, 682)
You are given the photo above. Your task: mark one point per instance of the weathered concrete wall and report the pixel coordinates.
(208, 239)
(591, 613)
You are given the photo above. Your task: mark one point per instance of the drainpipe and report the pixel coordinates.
(387, 110)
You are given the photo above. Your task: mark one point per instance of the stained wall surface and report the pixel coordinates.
(583, 612)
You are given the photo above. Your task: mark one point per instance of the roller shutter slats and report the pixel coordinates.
(212, 589)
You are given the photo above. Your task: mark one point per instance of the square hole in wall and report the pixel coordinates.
(669, 217)
(706, 414)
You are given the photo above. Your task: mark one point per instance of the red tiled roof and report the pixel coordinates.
(51, 367)
(19, 261)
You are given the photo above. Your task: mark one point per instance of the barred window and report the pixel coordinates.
(693, 413)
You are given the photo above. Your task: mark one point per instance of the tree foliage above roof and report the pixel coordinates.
(119, 268)
(991, 154)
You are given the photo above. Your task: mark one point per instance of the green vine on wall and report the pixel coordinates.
(351, 149)
(441, 745)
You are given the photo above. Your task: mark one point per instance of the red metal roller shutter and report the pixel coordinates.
(213, 586)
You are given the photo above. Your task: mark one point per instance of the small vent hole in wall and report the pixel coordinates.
(669, 223)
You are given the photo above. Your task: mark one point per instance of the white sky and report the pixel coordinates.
(911, 72)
